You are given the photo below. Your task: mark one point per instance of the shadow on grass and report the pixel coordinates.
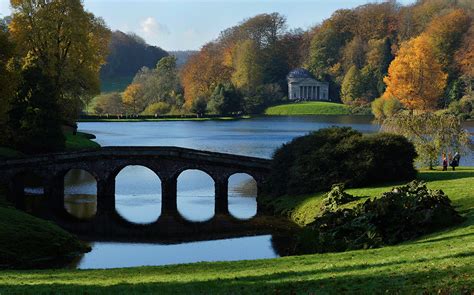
(423, 278)
(429, 176)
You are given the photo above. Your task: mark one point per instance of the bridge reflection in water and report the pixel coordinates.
(168, 163)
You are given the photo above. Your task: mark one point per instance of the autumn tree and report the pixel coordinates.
(327, 42)
(109, 103)
(69, 43)
(464, 59)
(132, 98)
(7, 77)
(248, 70)
(445, 34)
(354, 53)
(203, 72)
(415, 77)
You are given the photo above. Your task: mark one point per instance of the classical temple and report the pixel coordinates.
(303, 86)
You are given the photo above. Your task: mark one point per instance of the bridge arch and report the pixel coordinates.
(242, 195)
(196, 195)
(80, 193)
(138, 193)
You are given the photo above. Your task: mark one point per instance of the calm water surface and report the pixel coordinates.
(138, 193)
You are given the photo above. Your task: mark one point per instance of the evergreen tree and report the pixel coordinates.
(225, 100)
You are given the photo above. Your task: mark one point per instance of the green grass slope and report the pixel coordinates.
(438, 263)
(308, 108)
(80, 141)
(27, 241)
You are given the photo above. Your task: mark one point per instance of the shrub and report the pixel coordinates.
(336, 197)
(315, 162)
(383, 108)
(405, 213)
(157, 108)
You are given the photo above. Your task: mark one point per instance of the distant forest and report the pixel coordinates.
(244, 70)
(182, 56)
(128, 54)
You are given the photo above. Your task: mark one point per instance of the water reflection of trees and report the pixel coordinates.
(80, 194)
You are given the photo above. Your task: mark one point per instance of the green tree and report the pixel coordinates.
(352, 86)
(225, 100)
(68, 43)
(160, 84)
(199, 106)
(431, 133)
(34, 124)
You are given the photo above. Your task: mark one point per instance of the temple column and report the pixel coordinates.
(222, 196)
(169, 196)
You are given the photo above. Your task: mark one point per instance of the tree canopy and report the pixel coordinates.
(68, 43)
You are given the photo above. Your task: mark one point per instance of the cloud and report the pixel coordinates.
(151, 28)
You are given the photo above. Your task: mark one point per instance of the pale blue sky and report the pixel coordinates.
(189, 24)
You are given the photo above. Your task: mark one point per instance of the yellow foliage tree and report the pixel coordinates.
(415, 77)
(132, 98)
(68, 43)
(248, 72)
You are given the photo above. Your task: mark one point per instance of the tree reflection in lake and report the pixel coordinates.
(80, 194)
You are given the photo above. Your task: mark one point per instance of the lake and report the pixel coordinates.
(138, 197)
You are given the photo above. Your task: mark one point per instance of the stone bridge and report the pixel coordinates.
(105, 164)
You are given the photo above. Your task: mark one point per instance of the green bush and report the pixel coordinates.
(315, 162)
(336, 197)
(405, 213)
(383, 108)
(157, 108)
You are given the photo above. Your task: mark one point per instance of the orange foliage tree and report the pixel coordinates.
(132, 98)
(446, 33)
(203, 72)
(465, 58)
(415, 77)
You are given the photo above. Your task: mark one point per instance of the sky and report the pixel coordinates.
(189, 24)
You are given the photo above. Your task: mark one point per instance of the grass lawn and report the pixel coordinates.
(80, 141)
(442, 262)
(308, 108)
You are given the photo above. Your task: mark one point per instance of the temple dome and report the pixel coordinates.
(300, 74)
